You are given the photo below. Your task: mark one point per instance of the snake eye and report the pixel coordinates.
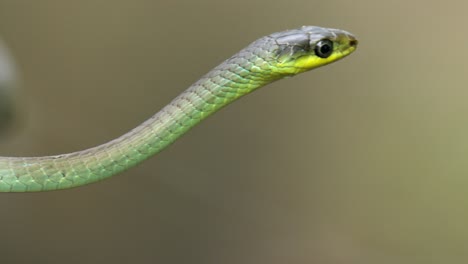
(324, 48)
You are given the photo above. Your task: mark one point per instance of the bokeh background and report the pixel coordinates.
(8, 88)
(362, 161)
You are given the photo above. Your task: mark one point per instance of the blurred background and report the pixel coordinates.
(362, 161)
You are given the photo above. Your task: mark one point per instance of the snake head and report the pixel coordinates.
(308, 47)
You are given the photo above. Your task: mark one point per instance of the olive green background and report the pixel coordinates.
(363, 161)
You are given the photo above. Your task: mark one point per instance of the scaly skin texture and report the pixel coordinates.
(268, 59)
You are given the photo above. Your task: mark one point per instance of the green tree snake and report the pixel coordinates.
(267, 59)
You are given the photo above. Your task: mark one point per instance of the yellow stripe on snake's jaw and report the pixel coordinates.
(310, 47)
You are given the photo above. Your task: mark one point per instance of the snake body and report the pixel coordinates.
(268, 59)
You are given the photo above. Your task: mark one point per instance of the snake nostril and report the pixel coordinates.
(353, 42)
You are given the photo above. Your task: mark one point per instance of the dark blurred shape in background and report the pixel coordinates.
(8, 85)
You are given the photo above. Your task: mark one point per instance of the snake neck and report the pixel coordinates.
(224, 84)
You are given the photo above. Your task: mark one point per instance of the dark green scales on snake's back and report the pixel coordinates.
(268, 59)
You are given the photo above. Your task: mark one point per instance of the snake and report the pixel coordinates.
(270, 58)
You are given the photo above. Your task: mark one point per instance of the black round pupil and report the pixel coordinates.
(325, 49)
